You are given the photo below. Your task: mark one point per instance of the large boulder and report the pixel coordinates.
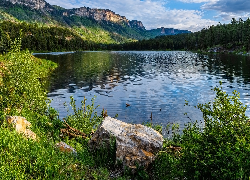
(21, 125)
(135, 144)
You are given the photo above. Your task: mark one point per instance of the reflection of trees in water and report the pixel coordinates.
(105, 69)
(87, 69)
(230, 67)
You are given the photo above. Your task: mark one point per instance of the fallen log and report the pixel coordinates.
(72, 132)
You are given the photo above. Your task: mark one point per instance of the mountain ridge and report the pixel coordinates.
(86, 21)
(93, 13)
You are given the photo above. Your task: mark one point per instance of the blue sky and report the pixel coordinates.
(191, 15)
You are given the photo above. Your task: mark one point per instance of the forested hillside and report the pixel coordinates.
(43, 38)
(222, 37)
(102, 31)
(96, 25)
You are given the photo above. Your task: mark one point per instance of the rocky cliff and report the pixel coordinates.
(172, 31)
(136, 24)
(102, 15)
(96, 14)
(33, 4)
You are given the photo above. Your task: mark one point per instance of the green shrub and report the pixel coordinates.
(219, 150)
(85, 118)
(22, 84)
(156, 127)
(105, 156)
(27, 159)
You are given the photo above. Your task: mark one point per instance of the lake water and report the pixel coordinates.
(156, 82)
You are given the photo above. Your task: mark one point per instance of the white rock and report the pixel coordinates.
(135, 144)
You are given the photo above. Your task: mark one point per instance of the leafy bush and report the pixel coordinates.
(4, 41)
(222, 148)
(156, 127)
(22, 80)
(85, 118)
(26, 159)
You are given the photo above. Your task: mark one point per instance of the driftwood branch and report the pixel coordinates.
(72, 132)
(104, 113)
(175, 148)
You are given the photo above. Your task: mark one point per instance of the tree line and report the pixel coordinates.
(233, 36)
(36, 37)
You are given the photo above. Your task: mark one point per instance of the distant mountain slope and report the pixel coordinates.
(166, 31)
(6, 16)
(96, 25)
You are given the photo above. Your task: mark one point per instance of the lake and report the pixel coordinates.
(151, 82)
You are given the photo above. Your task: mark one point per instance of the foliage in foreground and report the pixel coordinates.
(220, 150)
(23, 93)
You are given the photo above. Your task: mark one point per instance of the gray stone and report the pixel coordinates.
(135, 143)
(63, 147)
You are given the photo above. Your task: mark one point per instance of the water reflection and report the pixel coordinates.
(157, 82)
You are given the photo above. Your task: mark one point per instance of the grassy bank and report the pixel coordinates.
(22, 92)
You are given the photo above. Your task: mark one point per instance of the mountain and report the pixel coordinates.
(56, 11)
(100, 15)
(167, 31)
(33, 4)
(97, 25)
(89, 23)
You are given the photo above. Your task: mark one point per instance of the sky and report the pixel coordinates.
(190, 15)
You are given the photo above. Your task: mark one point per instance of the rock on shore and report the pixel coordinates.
(135, 143)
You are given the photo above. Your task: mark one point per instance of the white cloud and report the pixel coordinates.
(152, 13)
(232, 6)
(228, 9)
(227, 17)
(180, 19)
(197, 1)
